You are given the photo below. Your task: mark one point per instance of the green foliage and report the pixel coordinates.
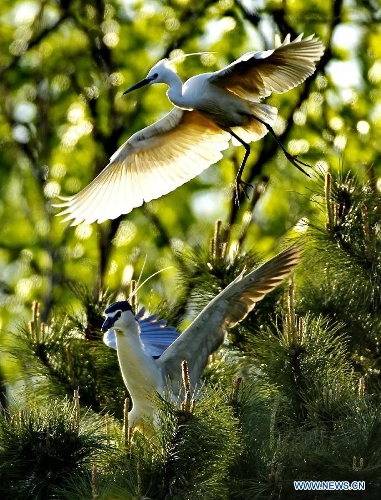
(189, 442)
(284, 402)
(68, 353)
(204, 272)
(344, 249)
(42, 447)
(63, 69)
(295, 391)
(302, 358)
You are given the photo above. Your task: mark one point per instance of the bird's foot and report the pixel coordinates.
(241, 187)
(297, 163)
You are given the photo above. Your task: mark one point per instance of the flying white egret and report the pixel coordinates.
(210, 109)
(136, 347)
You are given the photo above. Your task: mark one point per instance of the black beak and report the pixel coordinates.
(142, 83)
(109, 322)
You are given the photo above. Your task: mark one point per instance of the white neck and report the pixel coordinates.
(175, 84)
(140, 373)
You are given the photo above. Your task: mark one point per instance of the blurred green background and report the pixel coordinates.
(64, 66)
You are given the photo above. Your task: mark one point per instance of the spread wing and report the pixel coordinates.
(154, 333)
(257, 74)
(207, 332)
(153, 162)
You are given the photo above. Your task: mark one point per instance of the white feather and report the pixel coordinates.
(143, 375)
(175, 149)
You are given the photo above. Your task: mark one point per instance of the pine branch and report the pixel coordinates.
(41, 448)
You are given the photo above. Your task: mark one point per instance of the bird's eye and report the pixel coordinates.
(118, 315)
(155, 75)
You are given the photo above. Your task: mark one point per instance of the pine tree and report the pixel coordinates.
(292, 395)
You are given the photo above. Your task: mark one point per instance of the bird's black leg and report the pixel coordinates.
(239, 183)
(291, 158)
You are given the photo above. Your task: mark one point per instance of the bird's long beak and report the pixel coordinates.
(142, 83)
(109, 323)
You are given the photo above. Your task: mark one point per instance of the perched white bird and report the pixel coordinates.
(210, 109)
(136, 348)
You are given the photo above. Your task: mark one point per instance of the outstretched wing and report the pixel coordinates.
(257, 74)
(207, 332)
(153, 162)
(154, 333)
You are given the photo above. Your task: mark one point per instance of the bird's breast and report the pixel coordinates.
(220, 105)
(139, 370)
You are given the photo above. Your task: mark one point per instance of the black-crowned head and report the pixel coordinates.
(115, 313)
